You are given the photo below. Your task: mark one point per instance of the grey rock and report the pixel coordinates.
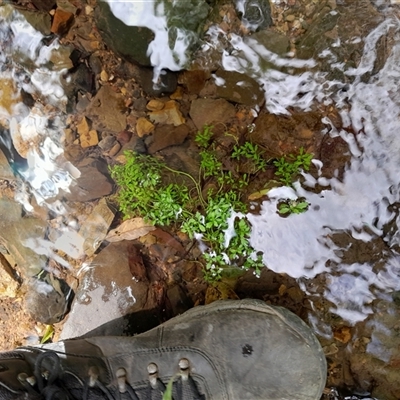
(274, 41)
(94, 182)
(45, 300)
(107, 143)
(167, 82)
(95, 227)
(130, 42)
(19, 236)
(39, 20)
(329, 28)
(211, 111)
(256, 14)
(5, 169)
(239, 88)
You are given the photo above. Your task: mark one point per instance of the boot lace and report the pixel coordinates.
(64, 385)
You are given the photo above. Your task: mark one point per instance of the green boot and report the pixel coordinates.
(232, 349)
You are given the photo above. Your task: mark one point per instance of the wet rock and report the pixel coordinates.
(256, 14)
(165, 136)
(62, 21)
(170, 114)
(350, 19)
(60, 58)
(144, 127)
(282, 135)
(374, 353)
(113, 290)
(107, 110)
(194, 80)
(44, 5)
(73, 152)
(131, 42)
(166, 83)
(210, 111)
(95, 227)
(45, 299)
(67, 6)
(39, 20)
(94, 182)
(5, 169)
(83, 79)
(336, 155)
(238, 88)
(184, 157)
(19, 238)
(274, 41)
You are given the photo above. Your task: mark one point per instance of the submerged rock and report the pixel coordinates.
(256, 14)
(94, 182)
(47, 299)
(115, 296)
(238, 88)
(95, 227)
(19, 236)
(281, 135)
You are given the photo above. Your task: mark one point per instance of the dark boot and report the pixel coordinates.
(227, 350)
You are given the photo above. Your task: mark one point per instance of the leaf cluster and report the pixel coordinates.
(143, 192)
(297, 206)
(289, 168)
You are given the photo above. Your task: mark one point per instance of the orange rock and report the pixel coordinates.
(144, 127)
(170, 114)
(62, 21)
(89, 139)
(342, 334)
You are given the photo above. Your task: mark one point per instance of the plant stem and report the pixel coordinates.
(192, 179)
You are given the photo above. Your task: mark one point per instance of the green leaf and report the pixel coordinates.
(168, 390)
(49, 332)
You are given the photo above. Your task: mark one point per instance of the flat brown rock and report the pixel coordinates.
(167, 135)
(211, 111)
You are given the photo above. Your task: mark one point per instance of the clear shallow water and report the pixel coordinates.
(301, 246)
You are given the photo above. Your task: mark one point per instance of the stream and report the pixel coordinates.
(340, 259)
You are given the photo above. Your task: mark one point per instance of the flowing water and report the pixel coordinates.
(352, 210)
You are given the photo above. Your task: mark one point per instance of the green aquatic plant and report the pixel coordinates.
(287, 169)
(145, 190)
(297, 206)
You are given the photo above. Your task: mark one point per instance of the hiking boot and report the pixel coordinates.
(230, 349)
